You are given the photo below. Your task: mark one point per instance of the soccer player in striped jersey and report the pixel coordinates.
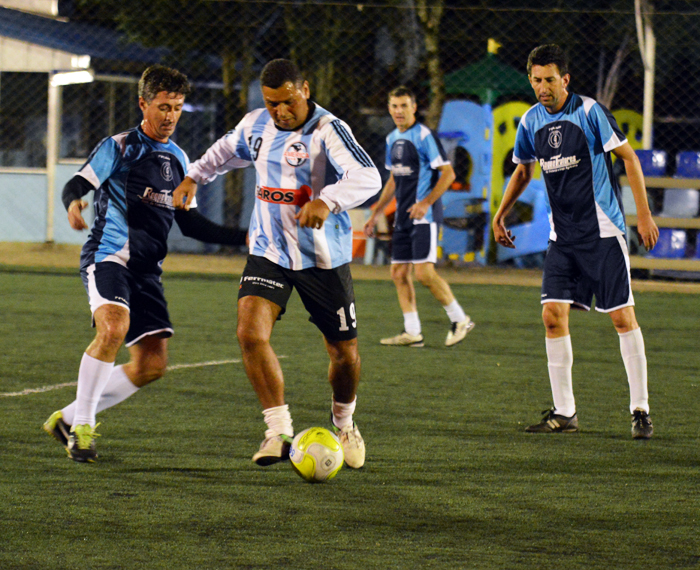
(310, 171)
(420, 175)
(133, 175)
(572, 138)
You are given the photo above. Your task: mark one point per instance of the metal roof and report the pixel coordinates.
(74, 37)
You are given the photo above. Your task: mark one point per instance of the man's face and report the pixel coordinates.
(403, 111)
(549, 85)
(288, 105)
(161, 115)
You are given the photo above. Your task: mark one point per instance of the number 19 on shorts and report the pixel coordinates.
(344, 318)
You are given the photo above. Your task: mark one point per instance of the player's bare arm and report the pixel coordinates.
(75, 216)
(384, 199)
(184, 194)
(313, 214)
(518, 182)
(447, 176)
(646, 227)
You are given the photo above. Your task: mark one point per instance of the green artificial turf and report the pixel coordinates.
(451, 479)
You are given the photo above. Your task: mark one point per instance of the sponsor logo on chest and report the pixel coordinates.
(158, 198)
(558, 162)
(289, 196)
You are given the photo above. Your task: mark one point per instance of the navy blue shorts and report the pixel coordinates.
(110, 283)
(327, 294)
(417, 244)
(575, 273)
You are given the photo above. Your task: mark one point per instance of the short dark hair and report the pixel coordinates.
(546, 54)
(278, 71)
(402, 91)
(157, 78)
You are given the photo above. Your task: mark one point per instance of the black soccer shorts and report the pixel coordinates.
(417, 244)
(575, 273)
(327, 294)
(110, 283)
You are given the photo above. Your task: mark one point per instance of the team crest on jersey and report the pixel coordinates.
(296, 154)
(166, 171)
(555, 139)
(398, 150)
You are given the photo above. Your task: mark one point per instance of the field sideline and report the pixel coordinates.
(451, 482)
(66, 257)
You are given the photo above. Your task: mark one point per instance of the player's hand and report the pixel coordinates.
(184, 194)
(418, 210)
(75, 216)
(503, 236)
(370, 226)
(646, 227)
(313, 214)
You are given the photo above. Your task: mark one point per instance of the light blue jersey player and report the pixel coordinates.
(571, 138)
(420, 175)
(133, 175)
(310, 170)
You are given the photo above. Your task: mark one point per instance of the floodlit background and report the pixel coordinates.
(465, 60)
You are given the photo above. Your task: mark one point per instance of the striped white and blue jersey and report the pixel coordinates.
(134, 177)
(573, 149)
(413, 158)
(320, 159)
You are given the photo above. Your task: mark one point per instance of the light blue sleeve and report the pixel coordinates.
(524, 151)
(102, 162)
(387, 157)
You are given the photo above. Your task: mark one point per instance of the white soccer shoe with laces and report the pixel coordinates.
(353, 445)
(273, 450)
(459, 331)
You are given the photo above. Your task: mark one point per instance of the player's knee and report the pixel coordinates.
(400, 272)
(250, 338)
(552, 317)
(344, 356)
(112, 334)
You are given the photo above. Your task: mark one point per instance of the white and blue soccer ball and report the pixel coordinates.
(316, 455)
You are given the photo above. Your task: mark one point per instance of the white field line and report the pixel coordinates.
(28, 391)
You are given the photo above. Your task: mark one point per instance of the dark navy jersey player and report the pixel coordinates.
(572, 137)
(420, 175)
(133, 175)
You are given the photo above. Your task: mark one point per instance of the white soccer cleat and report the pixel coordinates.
(459, 331)
(353, 445)
(404, 339)
(273, 450)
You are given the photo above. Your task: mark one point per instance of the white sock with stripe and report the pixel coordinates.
(560, 360)
(279, 421)
(634, 357)
(92, 378)
(411, 323)
(118, 389)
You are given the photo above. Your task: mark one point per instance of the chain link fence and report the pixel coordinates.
(464, 60)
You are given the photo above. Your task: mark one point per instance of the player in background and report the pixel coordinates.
(133, 175)
(572, 137)
(309, 171)
(420, 175)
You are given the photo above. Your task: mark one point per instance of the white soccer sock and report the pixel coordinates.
(279, 421)
(455, 312)
(560, 360)
(92, 378)
(342, 413)
(411, 323)
(118, 389)
(634, 357)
